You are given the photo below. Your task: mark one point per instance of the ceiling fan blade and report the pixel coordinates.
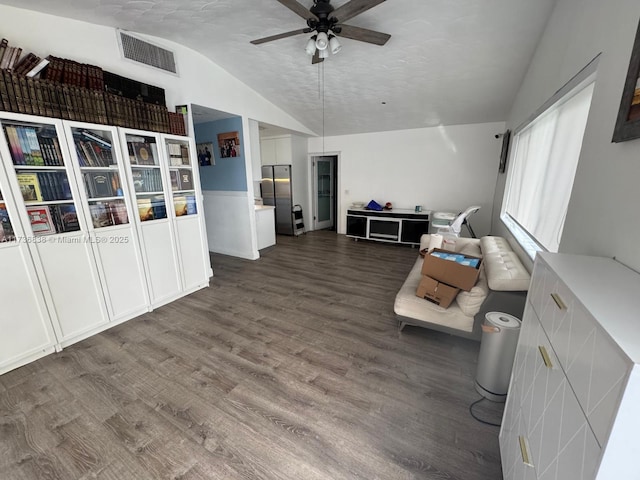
(353, 8)
(280, 35)
(364, 35)
(316, 58)
(296, 7)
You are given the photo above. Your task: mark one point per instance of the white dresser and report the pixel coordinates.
(573, 409)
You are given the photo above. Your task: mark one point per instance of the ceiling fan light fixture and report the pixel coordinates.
(322, 42)
(323, 53)
(334, 44)
(311, 45)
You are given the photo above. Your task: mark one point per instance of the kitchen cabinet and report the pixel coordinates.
(571, 411)
(276, 150)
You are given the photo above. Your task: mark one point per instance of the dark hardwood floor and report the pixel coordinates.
(289, 367)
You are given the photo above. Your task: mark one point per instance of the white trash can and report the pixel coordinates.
(500, 333)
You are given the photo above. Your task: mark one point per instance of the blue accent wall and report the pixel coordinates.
(228, 174)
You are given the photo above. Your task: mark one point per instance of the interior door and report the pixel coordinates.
(324, 192)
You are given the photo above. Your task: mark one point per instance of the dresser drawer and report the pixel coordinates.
(597, 371)
(552, 302)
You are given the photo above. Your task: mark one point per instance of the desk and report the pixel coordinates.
(394, 226)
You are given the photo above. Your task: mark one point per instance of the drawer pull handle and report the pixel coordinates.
(559, 302)
(524, 452)
(545, 357)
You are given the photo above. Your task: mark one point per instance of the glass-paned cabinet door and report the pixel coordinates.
(181, 177)
(146, 174)
(6, 229)
(42, 177)
(101, 176)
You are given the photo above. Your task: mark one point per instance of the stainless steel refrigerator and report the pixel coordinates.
(276, 191)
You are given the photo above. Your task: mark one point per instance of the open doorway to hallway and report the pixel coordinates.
(325, 189)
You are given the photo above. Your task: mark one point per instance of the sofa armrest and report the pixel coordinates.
(471, 301)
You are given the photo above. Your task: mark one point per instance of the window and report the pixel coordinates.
(544, 159)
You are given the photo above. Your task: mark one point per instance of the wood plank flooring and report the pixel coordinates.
(289, 367)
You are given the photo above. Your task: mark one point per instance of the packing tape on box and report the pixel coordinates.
(435, 241)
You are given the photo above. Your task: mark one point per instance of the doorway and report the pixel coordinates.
(325, 186)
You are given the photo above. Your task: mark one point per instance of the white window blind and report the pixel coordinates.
(543, 165)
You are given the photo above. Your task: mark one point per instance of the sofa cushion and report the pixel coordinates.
(505, 272)
(494, 244)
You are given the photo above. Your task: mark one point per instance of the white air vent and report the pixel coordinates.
(141, 51)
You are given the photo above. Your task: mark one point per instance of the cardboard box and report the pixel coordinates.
(436, 292)
(451, 272)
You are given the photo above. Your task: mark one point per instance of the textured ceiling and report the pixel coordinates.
(448, 62)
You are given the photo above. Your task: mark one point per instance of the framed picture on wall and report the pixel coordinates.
(504, 153)
(628, 121)
(229, 144)
(205, 154)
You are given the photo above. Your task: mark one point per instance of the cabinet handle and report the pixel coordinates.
(559, 302)
(524, 451)
(545, 356)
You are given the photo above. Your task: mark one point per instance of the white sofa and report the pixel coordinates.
(502, 286)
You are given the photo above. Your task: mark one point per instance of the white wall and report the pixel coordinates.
(441, 168)
(225, 234)
(603, 211)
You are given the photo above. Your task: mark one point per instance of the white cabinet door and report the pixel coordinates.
(284, 155)
(110, 217)
(268, 151)
(27, 332)
(49, 205)
(149, 187)
(186, 211)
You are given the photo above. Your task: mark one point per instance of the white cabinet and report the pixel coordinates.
(27, 332)
(166, 191)
(99, 225)
(147, 183)
(104, 191)
(187, 212)
(265, 226)
(575, 386)
(276, 150)
(41, 175)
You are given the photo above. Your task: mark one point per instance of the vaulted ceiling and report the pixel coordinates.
(447, 62)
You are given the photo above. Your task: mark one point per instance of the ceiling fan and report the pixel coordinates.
(326, 23)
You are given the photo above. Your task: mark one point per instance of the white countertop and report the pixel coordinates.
(264, 207)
